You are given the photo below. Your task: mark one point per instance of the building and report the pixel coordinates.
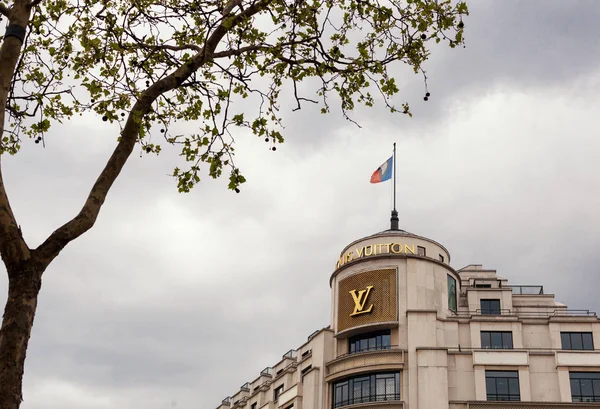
(408, 331)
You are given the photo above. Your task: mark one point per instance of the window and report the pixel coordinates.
(577, 340)
(441, 258)
(452, 293)
(253, 406)
(483, 286)
(366, 388)
(306, 353)
(290, 407)
(421, 251)
(370, 342)
(490, 307)
(277, 392)
(497, 339)
(502, 385)
(305, 370)
(585, 386)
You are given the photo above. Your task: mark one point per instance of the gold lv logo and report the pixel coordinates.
(360, 300)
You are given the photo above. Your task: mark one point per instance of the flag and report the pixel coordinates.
(384, 172)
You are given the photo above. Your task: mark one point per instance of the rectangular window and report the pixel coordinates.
(502, 385)
(483, 286)
(366, 388)
(253, 406)
(277, 392)
(577, 341)
(452, 305)
(421, 251)
(490, 307)
(585, 386)
(371, 341)
(305, 370)
(497, 339)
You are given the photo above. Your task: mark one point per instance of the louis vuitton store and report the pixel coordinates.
(408, 331)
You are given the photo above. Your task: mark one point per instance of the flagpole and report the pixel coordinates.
(394, 176)
(394, 219)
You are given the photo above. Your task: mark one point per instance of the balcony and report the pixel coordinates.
(371, 360)
(524, 405)
(558, 313)
(383, 401)
(526, 289)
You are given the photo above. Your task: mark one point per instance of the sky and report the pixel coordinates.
(176, 300)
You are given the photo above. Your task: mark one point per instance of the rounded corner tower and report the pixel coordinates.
(384, 287)
(380, 278)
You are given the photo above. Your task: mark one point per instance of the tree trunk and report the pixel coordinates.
(24, 283)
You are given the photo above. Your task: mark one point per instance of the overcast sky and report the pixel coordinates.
(176, 300)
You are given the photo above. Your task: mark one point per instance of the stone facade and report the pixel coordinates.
(408, 331)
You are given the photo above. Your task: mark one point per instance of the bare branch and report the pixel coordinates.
(34, 3)
(4, 10)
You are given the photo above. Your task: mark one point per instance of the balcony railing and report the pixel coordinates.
(527, 289)
(527, 314)
(348, 363)
(384, 397)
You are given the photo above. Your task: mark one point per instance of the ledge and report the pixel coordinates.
(348, 364)
(500, 357)
(578, 358)
(392, 404)
(515, 405)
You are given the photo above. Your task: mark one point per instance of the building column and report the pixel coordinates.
(524, 384)
(564, 384)
(432, 366)
(480, 389)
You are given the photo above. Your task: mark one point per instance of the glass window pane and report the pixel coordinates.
(385, 341)
(364, 344)
(485, 340)
(495, 306)
(586, 387)
(502, 386)
(576, 341)
(380, 389)
(575, 388)
(496, 339)
(490, 386)
(513, 386)
(588, 342)
(390, 386)
(566, 340)
(507, 341)
(371, 343)
(596, 383)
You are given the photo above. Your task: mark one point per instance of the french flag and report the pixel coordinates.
(384, 172)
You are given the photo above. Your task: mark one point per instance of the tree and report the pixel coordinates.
(145, 65)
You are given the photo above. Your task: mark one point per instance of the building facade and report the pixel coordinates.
(408, 331)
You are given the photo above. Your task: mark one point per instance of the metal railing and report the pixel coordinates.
(527, 314)
(380, 348)
(527, 289)
(268, 371)
(383, 397)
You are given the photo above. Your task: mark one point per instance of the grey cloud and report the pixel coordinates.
(176, 300)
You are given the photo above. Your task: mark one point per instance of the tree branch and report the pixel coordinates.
(34, 3)
(4, 10)
(86, 218)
